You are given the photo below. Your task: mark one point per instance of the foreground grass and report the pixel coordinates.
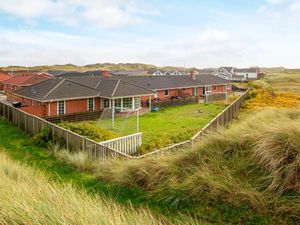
(28, 197)
(167, 126)
(247, 174)
(20, 147)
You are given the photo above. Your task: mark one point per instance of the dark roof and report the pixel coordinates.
(112, 87)
(81, 87)
(57, 89)
(245, 70)
(173, 82)
(211, 80)
(128, 72)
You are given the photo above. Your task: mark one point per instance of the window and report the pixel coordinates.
(195, 91)
(118, 103)
(61, 110)
(215, 88)
(166, 92)
(127, 103)
(105, 103)
(137, 102)
(207, 88)
(228, 87)
(183, 89)
(91, 104)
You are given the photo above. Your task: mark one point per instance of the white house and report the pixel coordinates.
(158, 73)
(231, 73)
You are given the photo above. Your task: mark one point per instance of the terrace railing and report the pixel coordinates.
(126, 144)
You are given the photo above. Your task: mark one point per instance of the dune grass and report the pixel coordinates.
(22, 148)
(28, 197)
(249, 172)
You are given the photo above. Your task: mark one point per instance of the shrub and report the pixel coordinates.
(43, 138)
(89, 130)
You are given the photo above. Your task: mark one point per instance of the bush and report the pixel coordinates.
(89, 130)
(43, 138)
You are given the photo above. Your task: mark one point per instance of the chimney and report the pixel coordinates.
(105, 73)
(193, 74)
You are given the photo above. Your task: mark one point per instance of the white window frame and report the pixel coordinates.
(121, 103)
(195, 91)
(58, 108)
(137, 102)
(124, 102)
(103, 105)
(88, 104)
(228, 86)
(215, 88)
(166, 91)
(208, 89)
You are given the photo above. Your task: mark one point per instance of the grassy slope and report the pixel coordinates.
(20, 147)
(247, 174)
(28, 197)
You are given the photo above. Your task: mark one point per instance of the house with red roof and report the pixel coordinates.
(16, 82)
(3, 76)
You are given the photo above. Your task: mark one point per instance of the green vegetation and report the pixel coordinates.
(28, 197)
(247, 174)
(89, 130)
(162, 128)
(22, 147)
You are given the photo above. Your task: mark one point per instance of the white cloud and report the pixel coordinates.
(101, 13)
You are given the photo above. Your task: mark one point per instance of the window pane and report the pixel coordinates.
(105, 103)
(61, 107)
(90, 104)
(127, 103)
(118, 103)
(137, 102)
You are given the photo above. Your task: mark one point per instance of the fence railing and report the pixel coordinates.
(127, 144)
(65, 138)
(219, 121)
(176, 102)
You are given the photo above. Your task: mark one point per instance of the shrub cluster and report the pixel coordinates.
(270, 98)
(88, 129)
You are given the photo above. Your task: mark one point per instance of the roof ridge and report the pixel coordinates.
(81, 84)
(98, 83)
(56, 86)
(115, 89)
(137, 85)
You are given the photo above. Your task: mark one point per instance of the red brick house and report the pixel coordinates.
(3, 76)
(81, 94)
(170, 86)
(24, 80)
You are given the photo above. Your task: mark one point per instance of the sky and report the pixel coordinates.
(191, 33)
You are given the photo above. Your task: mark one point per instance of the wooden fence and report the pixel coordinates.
(220, 120)
(65, 138)
(75, 117)
(127, 144)
(216, 96)
(175, 102)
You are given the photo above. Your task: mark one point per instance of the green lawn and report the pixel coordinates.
(166, 126)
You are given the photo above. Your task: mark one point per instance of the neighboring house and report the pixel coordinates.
(236, 74)
(168, 87)
(129, 72)
(3, 76)
(16, 82)
(161, 73)
(61, 96)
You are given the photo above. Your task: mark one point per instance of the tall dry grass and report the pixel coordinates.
(27, 197)
(256, 162)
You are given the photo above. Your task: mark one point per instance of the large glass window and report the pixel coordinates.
(207, 88)
(118, 103)
(137, 102)
(105, 103)
(90, 104)
(127, 103)
(61, 107)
